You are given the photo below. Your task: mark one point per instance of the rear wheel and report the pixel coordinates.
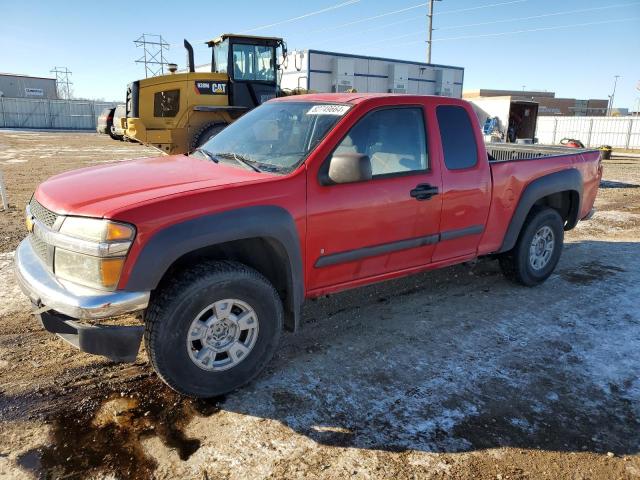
(213, 328)
(205, 133)
(537, 250)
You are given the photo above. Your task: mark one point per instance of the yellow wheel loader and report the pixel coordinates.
(178, 112)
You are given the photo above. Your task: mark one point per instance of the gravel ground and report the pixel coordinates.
(452, 374)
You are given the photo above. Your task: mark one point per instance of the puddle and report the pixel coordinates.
(103, 435)
(590, 272)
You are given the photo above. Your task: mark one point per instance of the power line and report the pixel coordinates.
(420, 5)
(452, 27)
(376, 28)
(420, 32)
(306, 15)
(499, 34)
(544, 15)
(62, 82)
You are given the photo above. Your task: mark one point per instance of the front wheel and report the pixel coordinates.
(537, 250)
(213, 328)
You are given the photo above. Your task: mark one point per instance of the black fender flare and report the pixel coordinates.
(269, 222)
(565, 180)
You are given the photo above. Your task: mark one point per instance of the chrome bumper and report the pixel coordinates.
(45, 290)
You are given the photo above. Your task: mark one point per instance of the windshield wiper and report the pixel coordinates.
(239, 158)
(207, 154)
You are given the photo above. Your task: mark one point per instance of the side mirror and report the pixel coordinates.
(347, 168)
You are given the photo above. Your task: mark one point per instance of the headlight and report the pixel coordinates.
(97, 230)
(102, 273)
(91, 251)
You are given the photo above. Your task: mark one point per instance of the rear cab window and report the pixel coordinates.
(459, 145)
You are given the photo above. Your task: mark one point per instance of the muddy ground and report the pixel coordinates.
(451, 374)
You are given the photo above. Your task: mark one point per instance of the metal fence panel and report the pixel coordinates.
(42, 113)
(619, 132)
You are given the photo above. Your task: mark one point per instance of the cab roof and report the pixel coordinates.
(225, 36)
(352, 98)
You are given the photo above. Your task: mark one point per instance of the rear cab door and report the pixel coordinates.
(360, 232)
(466, 180)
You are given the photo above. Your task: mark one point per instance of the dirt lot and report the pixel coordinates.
(452, 374)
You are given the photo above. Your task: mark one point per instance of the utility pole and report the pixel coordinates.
(62, 82)
(153, 58)
(613, 94)
(430, 29)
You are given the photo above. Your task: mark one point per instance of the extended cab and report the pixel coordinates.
(301, 197)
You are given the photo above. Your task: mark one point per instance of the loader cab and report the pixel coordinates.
(251, 64)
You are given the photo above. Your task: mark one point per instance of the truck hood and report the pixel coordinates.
(95, 191)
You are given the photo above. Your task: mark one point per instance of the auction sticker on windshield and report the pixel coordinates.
(328, 110)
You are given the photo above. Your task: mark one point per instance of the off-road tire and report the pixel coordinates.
(204, 133)
(516, 264)
(175, 305)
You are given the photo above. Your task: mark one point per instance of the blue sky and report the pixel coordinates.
(575, 53)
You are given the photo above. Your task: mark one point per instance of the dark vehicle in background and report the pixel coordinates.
(117, 128)
(105, 121)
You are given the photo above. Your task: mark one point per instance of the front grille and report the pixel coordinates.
(43, 215)
(40, 247)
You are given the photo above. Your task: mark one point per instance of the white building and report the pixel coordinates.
(321, 71)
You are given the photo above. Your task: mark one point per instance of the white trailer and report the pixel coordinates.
(516, 117)
(320, 71)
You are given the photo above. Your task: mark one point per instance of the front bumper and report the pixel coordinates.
(44, 290)
(61, 304)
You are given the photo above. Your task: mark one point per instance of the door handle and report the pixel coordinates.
(423, 191)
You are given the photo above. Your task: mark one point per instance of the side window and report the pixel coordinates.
(243, 62)
(166, 104)
(221, 52)
(393, 138)
(265, 69)
(253, 62)
(458, 140)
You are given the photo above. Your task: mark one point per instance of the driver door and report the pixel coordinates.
(374, 228)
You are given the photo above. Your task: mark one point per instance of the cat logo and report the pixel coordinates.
(211, 88)
(219, 88)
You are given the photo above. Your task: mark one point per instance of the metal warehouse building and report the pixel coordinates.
(322, 71)
(24, 86)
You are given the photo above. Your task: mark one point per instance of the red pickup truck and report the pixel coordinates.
(301, 197)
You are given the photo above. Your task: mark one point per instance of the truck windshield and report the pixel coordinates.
(276, 136)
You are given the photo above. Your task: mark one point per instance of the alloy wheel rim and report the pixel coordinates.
(222, 335)
(541, 248)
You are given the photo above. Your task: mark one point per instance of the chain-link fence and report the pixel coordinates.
(58, 114)
(618, 132)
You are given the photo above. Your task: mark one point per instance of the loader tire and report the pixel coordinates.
(204, 133)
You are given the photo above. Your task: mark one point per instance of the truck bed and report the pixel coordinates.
(511, 173)
(502, 152)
